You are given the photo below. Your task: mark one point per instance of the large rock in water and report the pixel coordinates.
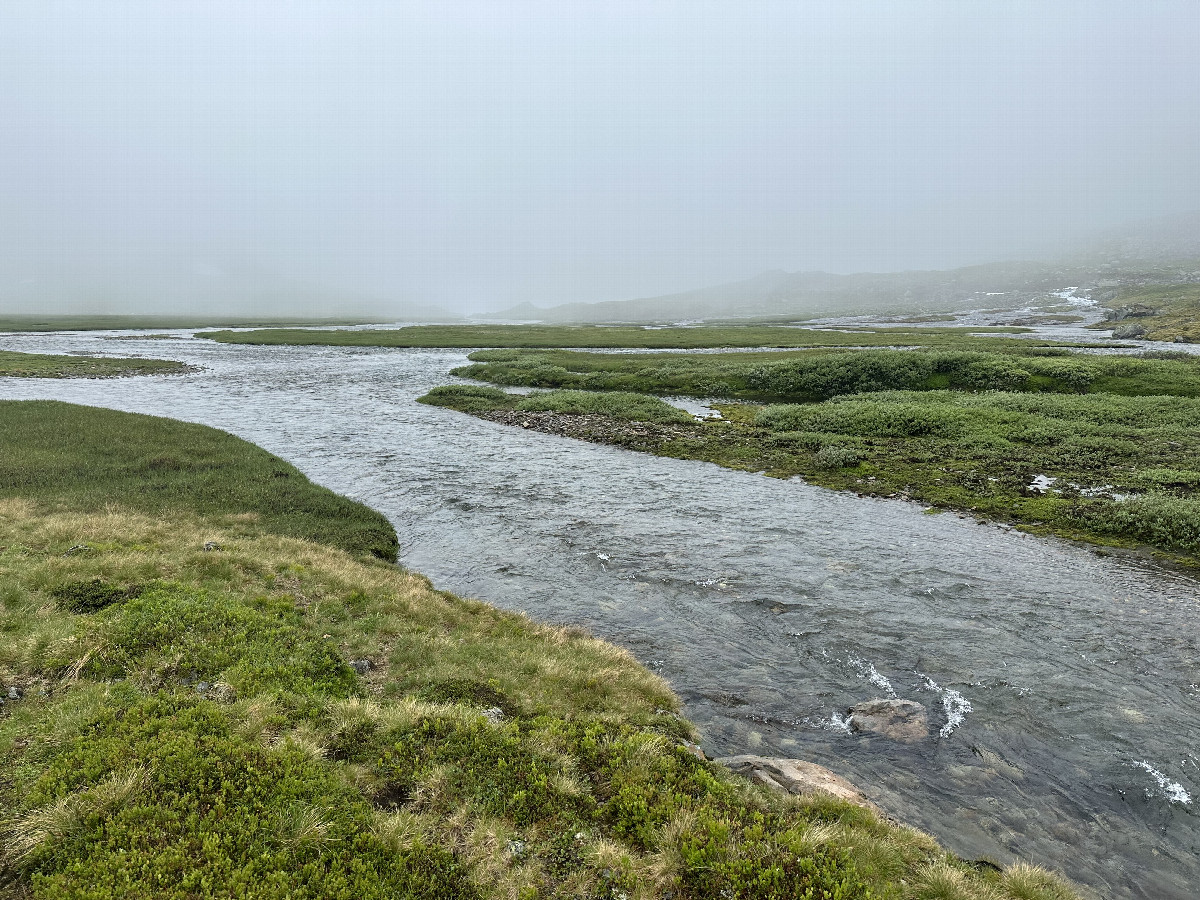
(900, 720)
(795, 776)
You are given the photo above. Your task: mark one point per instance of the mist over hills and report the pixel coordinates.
(1165, 250)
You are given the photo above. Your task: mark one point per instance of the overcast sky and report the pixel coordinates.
(478, 154)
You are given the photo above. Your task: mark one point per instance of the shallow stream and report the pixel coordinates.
(1063, 687)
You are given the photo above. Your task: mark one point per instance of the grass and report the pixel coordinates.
(1165, 312)
(191, 727)
(81, 458)
(553, 336)
(812, 375)
(39, 365)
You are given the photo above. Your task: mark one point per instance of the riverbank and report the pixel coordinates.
(200, 703)
(1107, 469)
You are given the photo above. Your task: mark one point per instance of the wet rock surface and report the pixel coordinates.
(900, 720)
(795, 776)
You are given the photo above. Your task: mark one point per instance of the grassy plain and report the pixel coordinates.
(41, 365)
(189, 724)
(602, 336)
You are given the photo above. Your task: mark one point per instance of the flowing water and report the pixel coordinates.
(1063, 687)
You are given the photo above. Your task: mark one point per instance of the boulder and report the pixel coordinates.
(900, 720)
(795, 776)
(1131, 331)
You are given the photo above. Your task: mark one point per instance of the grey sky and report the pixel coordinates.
(480, 154)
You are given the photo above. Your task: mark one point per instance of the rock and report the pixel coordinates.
(210, 546)
(361, 666)
(795, 776)
(900, 720)
(1129, 331)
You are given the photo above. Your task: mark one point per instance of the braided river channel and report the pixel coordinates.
(1063, 687)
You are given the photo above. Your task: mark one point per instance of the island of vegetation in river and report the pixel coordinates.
(1097, 447)
(217, 684)
(600, 336)
(43, 365)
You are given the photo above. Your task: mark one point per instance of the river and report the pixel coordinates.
(1063, 687)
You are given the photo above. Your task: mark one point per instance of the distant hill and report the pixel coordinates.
(799, 295)
(1161, 252)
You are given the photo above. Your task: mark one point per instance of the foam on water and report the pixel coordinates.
(955, 704)
(868, 671)
(1173, 791)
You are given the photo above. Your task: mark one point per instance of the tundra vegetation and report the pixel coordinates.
(1155, 312)
(41, 365)
(969, 426)
(215, 686)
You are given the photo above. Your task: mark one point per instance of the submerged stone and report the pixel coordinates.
(900, 720)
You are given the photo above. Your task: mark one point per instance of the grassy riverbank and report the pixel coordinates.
(199, 703)
(1103, 449)
(601, 336)
(40, 365)
(812, 375)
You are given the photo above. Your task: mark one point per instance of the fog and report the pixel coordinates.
(342, 157)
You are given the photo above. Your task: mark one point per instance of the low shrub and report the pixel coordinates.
(637, 407)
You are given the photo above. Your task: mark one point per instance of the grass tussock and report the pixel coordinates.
(41, 365)
(207, 736)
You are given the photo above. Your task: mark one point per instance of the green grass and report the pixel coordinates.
(548, 336)
(83, 458)
(39, 365)
(811, 375)
(191, 726)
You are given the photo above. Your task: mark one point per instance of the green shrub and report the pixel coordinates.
(836, 456)
(468, 398)
(637, 407)
(91, 596)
